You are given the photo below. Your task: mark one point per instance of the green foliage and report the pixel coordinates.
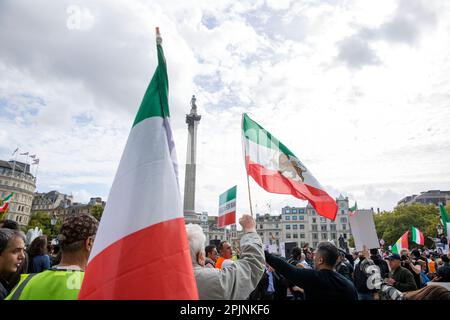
(97, 211)
(391, 226)
(351, 242)
(42, 220)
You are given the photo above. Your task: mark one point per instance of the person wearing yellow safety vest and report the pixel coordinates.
(63, 281)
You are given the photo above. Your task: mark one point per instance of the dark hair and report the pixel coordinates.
(445, 258)
(209, 249)
(6, 235)
(374, 251)
(296, 253)
(329, 252)
(415, 253)
(38, 246)
(10, 224)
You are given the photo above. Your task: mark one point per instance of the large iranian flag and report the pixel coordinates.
(276, 169)
(417, 236)
(227, 208)
(401, 243)
(141, 249)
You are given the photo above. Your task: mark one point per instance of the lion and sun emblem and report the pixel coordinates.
(290, 167)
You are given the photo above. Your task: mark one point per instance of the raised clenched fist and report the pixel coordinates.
(248, 223)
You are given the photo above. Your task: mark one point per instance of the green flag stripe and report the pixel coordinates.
(254, 132)
(228, 195)
(155, 101)
(444, 217)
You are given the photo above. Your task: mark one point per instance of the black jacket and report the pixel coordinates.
(280, 285)
(444, 272)
(318, 284)
(384, 268)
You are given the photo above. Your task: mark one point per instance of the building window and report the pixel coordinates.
(345, 236)
(343, 220)
(294, 217)
(276, 226)
(323, 228)
(294, 210)
(261, 226)
(314, 227)
(342, 212)
(288, 218)
(294, 227)
(261, 234)
(302, 226)
(333, 236)
(301, 218)
(315, 236)
(288, 235)
(276, 233)
(323, 220)
(324, 236)
(314, 244)
(295, 236)
(302, 236)
(314, 220)
(288, 227)
(344, 227)
(301, 211)
(287, 211)
(332, 227)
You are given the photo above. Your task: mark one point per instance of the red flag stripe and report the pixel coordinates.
(227, 219)
(145, 265)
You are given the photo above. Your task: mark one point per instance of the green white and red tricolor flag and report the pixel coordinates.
(445, 220)
(352, 210)
(141, 249)
(401, 243)
(4, 203)
(417, 236)
(4, 207)
(7, 197)
(276, 169)
(227, 208)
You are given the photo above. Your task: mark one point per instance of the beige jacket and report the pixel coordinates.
(234, 282)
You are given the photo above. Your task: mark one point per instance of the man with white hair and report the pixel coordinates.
(234, 282)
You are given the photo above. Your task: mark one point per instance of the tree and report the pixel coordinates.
(42, 220)
(351, 242)
(97, 211)
(391, 226)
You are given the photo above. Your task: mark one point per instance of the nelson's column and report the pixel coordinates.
(192, 119)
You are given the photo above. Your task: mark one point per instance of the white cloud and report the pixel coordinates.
(373, 128)
(81, 196)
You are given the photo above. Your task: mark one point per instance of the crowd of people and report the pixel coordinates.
(326, 273)
(42, 271)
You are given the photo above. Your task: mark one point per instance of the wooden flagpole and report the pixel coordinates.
(246, 172)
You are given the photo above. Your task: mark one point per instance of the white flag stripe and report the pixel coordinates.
(145, 173)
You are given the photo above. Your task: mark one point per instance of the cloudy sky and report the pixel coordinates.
(358, 90)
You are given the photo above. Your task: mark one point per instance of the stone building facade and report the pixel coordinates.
(16, 178)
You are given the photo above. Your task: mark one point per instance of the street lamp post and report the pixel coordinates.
(53, 221)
